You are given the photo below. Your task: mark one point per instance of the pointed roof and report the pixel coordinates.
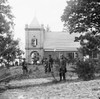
(34, 23)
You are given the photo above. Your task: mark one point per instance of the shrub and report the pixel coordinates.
(85, 69)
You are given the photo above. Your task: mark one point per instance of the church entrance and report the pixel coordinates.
(34, 57)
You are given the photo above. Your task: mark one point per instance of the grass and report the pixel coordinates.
(34, 72)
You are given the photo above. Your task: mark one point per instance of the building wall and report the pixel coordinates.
(58, 53)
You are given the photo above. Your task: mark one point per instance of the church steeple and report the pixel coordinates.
(34, 23)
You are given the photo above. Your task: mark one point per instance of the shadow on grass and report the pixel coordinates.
(53, 82)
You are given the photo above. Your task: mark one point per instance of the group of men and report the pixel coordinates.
(48, 63)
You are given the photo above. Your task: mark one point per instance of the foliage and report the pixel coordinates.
(82, 16)
(85, 69)
(9, 48)
(12, 51)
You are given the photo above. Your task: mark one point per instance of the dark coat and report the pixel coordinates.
(24, 65)
(51, 61)
(62, 65)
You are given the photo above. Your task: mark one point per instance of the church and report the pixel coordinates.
(43, 43)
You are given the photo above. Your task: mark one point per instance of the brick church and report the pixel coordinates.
(43, 43)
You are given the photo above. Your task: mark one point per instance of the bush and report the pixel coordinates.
(85, 69)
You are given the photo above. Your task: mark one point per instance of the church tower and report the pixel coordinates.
(34, 40)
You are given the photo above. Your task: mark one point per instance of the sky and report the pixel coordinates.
(48, 12)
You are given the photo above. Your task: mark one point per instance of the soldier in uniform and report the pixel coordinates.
(24, 67)
(50, 63)
(46, 65)
(62, 68)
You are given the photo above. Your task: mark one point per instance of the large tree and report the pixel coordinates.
(83, 16)
(9, 48)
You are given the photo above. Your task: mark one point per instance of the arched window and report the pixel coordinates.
(34, 41)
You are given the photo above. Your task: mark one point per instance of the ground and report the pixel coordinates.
(46, 88)
(60, 90)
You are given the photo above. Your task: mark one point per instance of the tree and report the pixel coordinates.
(12, 52)
(83, 16)
(9, 48)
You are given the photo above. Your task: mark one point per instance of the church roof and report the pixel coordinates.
(34, 23)
(60, 41)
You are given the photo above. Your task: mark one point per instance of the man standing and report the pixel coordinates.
(24, 67)
(62, 68)
(46, 65)
(50, 63)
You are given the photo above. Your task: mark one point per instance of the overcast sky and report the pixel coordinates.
(48, 12)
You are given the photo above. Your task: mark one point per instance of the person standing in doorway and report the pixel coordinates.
(62, 68)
